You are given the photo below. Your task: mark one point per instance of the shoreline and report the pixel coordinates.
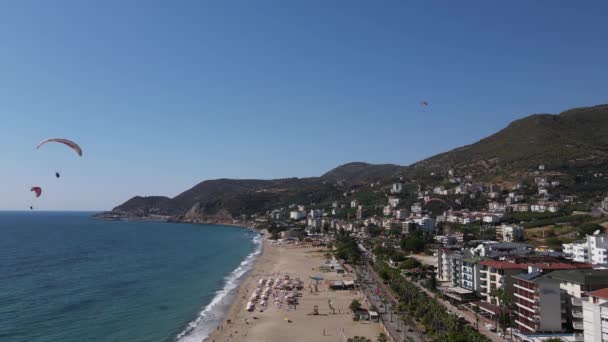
(213, 314)
(238, 301)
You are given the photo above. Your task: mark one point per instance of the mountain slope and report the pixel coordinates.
(574, 138)
(568, 143)
(359, 171)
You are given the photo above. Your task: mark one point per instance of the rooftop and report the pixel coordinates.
(582, 276)
(542, 265)
(602, 293)
(503, 264)
(528, 276)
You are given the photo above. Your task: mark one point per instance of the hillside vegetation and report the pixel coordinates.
(573, 143)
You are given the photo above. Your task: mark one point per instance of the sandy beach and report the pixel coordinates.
(283, 323)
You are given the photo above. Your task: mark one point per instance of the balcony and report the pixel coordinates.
(576, 301)
(517, 286)
(577, 313)
(522, 324)
(578, 325)
(525, 307)
(517, 295)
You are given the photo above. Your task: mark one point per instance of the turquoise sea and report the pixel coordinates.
(66, 277)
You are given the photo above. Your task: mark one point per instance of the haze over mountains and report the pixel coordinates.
(568, 143)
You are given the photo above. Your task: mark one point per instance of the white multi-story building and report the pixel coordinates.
(393, 201)
(354, 203)
(594, 249)
(416, 208)
(509, 233)
(491, 218)
(396, 188)
(297, 215)
(387, 210)
(498, 207)
(542, 207)
(449, 265)
(595, 316)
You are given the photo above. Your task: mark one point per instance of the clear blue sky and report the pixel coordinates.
(162, 95)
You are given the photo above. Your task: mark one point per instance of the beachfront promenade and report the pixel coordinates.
(378, 294)
(469, 316)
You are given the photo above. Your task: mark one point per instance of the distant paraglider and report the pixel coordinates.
(423, 106)
(69, 143)
(37, 192)
(74, 146)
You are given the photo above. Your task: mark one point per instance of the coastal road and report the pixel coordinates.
(381, 297)
(469, 316)
(418, 336)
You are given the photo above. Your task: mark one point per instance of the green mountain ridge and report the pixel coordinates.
(568, 143)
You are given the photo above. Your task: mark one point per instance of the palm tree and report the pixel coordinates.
(504, 302)
(382, 338)
(476, 310)
(359, 339)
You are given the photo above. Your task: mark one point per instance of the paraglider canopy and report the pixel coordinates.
(57, 174)
(37, 190)
(74, 146)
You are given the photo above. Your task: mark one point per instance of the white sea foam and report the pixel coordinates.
(212, 314)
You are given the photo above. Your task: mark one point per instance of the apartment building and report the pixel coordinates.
(593, 249)
(574, 285)
(538, 302)
(595, 316)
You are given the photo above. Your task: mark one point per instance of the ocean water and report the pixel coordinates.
(68, 277)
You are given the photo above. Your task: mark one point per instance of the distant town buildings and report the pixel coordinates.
(297, 215)
(544, 206)
(360, 212)
(315, 213)
(400, 214)
(425, 223)
(396, 188)
(393, 201)
(509, 233)
(416, 208)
